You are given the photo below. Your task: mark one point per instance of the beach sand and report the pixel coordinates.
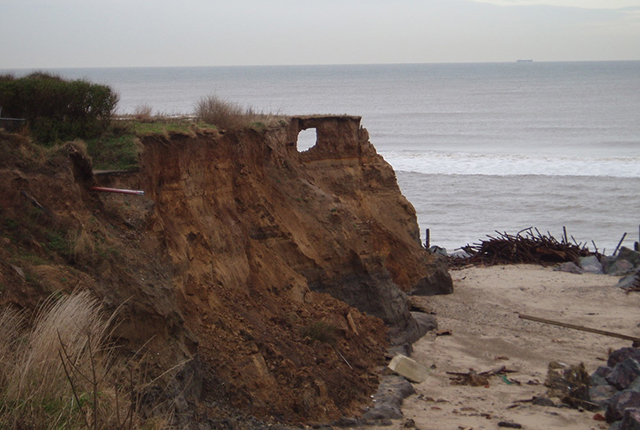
(486, 333)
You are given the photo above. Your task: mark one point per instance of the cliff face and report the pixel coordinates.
(273, 269)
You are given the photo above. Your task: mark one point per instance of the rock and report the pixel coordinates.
(630, 255)
(622, 263)
(410, 369)
(630, 419)
(346, 422)
(569, 267)
(628, 281)
(624, 373)
(635, 386)
(426, 322)
(620, 402)
(620, 267)
(619, 355)
(616, 426)
(438, 251)
(591, 264)
(388, 399)
(460, 254)
(438, 282)
(601, 394)
(598, 377)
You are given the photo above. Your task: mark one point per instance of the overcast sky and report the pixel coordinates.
(117, 33)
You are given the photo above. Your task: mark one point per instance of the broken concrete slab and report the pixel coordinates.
(409, 368)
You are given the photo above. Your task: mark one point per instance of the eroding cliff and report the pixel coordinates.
(268, 270)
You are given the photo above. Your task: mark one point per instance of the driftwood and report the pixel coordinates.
(526, 247)
(581, 328)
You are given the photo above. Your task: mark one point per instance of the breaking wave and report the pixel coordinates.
(464, 163)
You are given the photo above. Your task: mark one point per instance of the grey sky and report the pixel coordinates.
(106, 33)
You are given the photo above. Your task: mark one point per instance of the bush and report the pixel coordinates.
(56, 109)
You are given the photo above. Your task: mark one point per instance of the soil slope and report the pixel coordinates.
(270, 277)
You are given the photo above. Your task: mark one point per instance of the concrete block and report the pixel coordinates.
(410, 369)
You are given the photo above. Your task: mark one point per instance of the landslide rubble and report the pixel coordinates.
(266, 280)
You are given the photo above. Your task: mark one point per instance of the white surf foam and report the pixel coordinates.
(460, 163)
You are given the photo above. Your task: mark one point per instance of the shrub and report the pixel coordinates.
(56, 109)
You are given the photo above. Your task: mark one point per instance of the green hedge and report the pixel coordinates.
(56, 109)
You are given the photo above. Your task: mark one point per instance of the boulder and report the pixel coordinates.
(591, 264)
(624, 373)
(623, 263)
(630, 255)
(631, 419)
(598, 377)
(621, 401)
(619, 355)
(629, 280)
(601, 394)
(569, 267)
(438, 282)
(387, 401)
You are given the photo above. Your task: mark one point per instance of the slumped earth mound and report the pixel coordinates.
(266, 280)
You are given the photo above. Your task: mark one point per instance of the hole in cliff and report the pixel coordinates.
(307, 139)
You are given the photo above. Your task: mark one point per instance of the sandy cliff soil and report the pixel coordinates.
(486, 334)
(276, 277)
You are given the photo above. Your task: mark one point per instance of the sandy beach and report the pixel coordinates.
(487, 333)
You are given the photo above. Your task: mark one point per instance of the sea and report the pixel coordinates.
(479, 149)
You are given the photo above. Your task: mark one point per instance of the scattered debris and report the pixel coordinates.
(570, 384)
(409, 423)
(509, 424)
(475, 379)
(443, 333)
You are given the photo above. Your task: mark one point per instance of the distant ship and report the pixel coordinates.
(524, 61)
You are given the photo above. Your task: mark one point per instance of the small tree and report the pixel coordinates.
(56, 109)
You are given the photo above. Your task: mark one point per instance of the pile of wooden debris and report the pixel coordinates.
(526, 247)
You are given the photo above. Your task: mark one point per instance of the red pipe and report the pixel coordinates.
(117, 190)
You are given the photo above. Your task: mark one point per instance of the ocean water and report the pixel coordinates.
(477, 148)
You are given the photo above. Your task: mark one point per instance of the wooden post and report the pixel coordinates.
(427, 241)
(620, 243)
(564, 229)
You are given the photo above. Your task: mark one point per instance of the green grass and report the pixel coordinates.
(111, 152)
(164, 128)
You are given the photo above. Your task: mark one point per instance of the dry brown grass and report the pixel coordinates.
(227, 115)
(83, 249)
(221, 113)
(61, 373)
(143, 113)
(55, 373)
